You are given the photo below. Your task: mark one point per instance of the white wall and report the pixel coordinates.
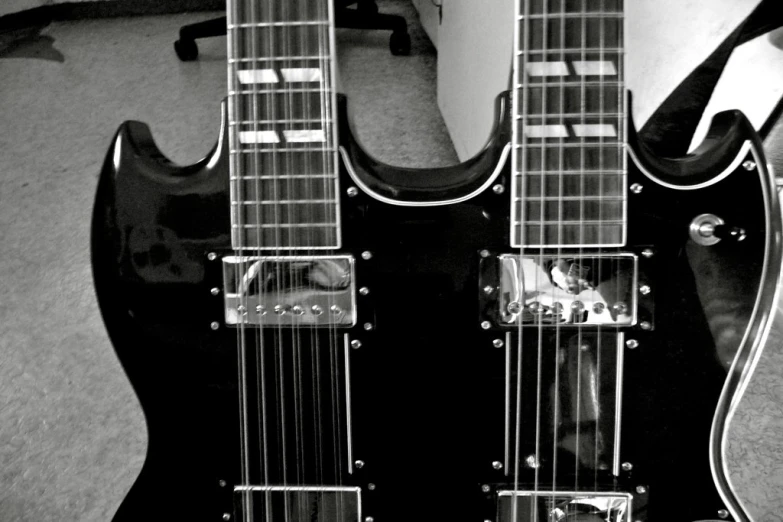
(429, 17)
(665, 40)
(13, 6)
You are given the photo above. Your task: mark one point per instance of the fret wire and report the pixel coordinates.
(284, 176)
(589, 222)
(272, 122)
(279, 59)
(595, 50)
(588, 14)
(570, 198)
(276, 24)
(282, 150)
(570, 172)
(296, 90)
(552, 114)
(287, 225)
(284, 202)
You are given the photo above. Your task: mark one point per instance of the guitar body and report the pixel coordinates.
(431, 414)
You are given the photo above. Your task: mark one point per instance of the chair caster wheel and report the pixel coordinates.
(400, 44)
(186, 50)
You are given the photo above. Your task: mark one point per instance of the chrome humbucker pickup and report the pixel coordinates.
(561, 289)
(298, 503)
(289, 290)
(561, 506)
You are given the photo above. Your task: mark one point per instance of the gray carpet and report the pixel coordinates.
(72, 435)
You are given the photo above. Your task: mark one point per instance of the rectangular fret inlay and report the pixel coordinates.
(249, 76)
(309, 74)
(304, 136)
(595, 68)
(547, 69)
(258, 137)
(569, 184)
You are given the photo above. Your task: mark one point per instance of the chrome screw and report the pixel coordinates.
(497, 465)
(620, 307)
(641, 490)
(260, 310)
(359, 463)
(577, 306)
(627, 466)
(484, 253)
(316, 309)
(279, 309)
(531, 461)
(336, 310)
(599, 308)
(222, 483)
(364, 290)
(371, 486)
(366, 255)
(226, 516)
(585, 347)
(497, 343)
(352, 192)
(644, 289)
(485, 488)
(488, 289)
(368, 326)
(212, 256)
(369, 519)
(214, 325)
(645, 325)
(723, 513)
(749, 165)
(636, 188)
(498, 189)
(215, 291)
(241, 309)
(632, 343)
(298, 310)
(485, 325)
(648, 253)
(356, 344)
(514, 307)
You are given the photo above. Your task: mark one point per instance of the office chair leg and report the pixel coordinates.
(186, 47)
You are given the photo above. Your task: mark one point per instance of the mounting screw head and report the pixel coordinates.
(749, 165)
(514, 307)
(222, 483)
(214, 325)
(648, 253)
(369, 519)
(359, 464)
(498, 189)
(366, 255)
(368, 326)
(497, 465)
(531, 462)
(215, 291)
(485, 488)
(631, 343)
(636, 188)
(488, 289)
(627, 466)
(364, 290)
(226, 516)
(497, 343)
(212, 256)
(641, 490)
(352, 192)
(645, 325)
(599, 308)
(356, 344)
(644, 289)
(371, 486)
(484, 253)
(723, 513)
(485, 325)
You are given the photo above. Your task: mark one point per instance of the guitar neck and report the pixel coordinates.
(570, 124)
(282, 135)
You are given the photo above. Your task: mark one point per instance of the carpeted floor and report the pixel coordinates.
(72, 435)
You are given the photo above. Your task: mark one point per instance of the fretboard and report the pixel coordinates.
(570, 124)
(282, 133)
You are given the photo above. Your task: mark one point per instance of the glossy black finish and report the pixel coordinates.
(427, 383)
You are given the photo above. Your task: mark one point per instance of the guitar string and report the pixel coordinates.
(597, 390)
(518, 137)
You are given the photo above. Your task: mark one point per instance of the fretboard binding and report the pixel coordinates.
(325, 90)
(267, 151)
(276, 24)
(285, 202)
(279, 58)
(548, 16)
(288, 225)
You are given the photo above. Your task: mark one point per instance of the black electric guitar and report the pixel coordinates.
(315, 336)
